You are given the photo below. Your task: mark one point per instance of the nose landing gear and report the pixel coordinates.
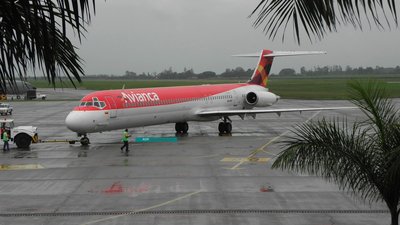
(181, 128)
(84, 140)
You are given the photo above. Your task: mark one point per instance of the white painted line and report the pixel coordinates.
(144, 209)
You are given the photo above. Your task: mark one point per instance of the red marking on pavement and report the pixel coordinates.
(115, 188)
(266, 189)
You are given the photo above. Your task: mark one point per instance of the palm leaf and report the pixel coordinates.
(317, 17)
(363, 158)
(334, 151)
(381, 113)
(34, 35)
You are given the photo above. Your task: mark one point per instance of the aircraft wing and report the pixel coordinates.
(241, 112)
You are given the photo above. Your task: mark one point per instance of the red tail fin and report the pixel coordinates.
(260, 74)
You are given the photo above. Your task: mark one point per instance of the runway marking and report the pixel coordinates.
(145, 209)
(270, 153)
(256, 151)
(20, 166)
(248, 159)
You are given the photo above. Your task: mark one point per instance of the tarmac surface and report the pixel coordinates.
(203, 178)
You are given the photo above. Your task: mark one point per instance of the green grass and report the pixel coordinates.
(324, 88)
(294, 88)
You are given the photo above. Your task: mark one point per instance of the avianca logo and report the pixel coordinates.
(140, 97)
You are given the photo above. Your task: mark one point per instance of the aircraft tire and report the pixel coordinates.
(228, 128)
(221, 127)
(85, 141)
(177, 127)
(185, 127)
(225, 128)
(23, 140)
(182, 127)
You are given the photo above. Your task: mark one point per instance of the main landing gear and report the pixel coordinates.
(225, 127)
(181, 128)
(85, 140)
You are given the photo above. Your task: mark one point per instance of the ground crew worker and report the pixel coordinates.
(6, 147)
(125, 140)
(2, 129)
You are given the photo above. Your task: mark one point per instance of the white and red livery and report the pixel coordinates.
(126, 108)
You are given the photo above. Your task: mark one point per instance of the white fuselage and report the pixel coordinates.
(92, 121)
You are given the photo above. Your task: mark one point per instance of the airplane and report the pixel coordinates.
(128, 108)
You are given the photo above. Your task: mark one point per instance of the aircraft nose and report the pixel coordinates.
(74, 122)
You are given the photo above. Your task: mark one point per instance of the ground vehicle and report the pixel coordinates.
(22, 136)
(5, 109)
(41, 96)
(21, 90)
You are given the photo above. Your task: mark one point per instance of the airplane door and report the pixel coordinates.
(113, 106)
(236, 99)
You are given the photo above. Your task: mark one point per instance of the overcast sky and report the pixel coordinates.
(150, 36)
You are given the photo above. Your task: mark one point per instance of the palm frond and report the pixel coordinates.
(317, 17)
(363, 157)
(33, 34)
(334, 151)
(392, 177)
(381, 113)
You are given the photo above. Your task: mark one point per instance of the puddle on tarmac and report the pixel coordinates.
(82, 154)
(25, 154)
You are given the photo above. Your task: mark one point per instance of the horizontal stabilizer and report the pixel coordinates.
(282, 53)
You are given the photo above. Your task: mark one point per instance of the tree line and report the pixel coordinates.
(240, 73)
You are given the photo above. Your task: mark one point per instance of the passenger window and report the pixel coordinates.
(97, 104)
(89, 103)
(82, 104)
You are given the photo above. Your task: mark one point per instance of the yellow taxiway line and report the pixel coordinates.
(256, 151)
(20, 166)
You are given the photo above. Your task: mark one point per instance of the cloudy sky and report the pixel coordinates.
(150, 36)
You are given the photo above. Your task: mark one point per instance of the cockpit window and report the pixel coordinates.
(95, 102)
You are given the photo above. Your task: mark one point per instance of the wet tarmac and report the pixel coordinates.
(203, 178)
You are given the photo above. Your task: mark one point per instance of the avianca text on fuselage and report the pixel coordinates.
(132, 97)
(126, 108)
